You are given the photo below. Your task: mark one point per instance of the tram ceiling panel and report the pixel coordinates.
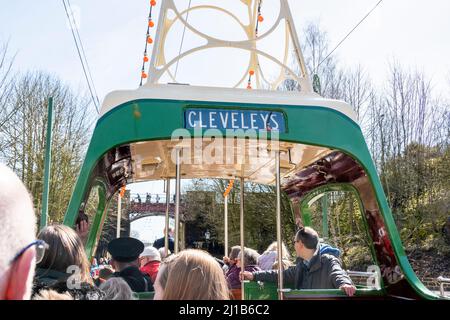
(252, 159)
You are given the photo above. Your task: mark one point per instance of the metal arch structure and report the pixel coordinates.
(159, 66)
(141, 210)
(139, 215)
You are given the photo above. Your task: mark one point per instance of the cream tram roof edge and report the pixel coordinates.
(216, 94)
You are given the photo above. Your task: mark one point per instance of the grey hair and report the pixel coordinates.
(116, 289)
(17, 218)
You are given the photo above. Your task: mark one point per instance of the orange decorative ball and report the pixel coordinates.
(260, 18)
(251, 72)
(151, 24)
(149, 40)
(144, 75)
(145, 59)
(153, 3)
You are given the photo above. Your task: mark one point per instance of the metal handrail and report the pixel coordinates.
(442, 281)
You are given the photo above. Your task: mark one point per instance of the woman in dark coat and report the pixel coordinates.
(65, 267)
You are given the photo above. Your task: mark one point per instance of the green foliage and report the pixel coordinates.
(204, 203)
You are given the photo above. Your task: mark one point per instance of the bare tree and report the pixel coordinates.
(23, 137)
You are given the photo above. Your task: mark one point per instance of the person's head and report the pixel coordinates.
(306, 242)
(125, 252)
(18, 230)
(148, 255)
(170, 232)
(116, 289)
(234, 253)
(250, 257)
(161, 278)
(195, 275)
(274, 247)
(65, 250)
(162, 252)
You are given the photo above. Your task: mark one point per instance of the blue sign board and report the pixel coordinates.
(223, 119)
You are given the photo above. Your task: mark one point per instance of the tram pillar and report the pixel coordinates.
(279, 238)
(166, 229)
(177, 200)
(242, 235)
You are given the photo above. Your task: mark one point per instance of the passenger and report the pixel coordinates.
(18, 247)
(160, 243)
(125, 260)
(251, 265)
(117, 289)
(65, 267)
(162, 252)
(313, 270)
(268, 258)
(150, 261)
(230, 262)
(326, 248)
(194, 275)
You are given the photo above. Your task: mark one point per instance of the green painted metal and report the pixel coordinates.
(144, 295)
(330, 293)
(268, 291)
(324, 203)
(47, 166)
(144, 120)
(100, 215)
(260, 291)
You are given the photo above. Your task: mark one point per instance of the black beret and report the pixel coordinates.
(125, 249)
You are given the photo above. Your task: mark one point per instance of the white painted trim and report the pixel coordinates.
(214, 94)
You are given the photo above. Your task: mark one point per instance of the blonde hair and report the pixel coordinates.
(195, 275)
(286, 264)
(117, 289)
(52, 295)
(274, 247)
(65, 249)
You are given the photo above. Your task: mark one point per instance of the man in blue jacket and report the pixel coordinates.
(314, 270)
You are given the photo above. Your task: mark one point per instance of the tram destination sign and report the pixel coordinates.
(234, 119)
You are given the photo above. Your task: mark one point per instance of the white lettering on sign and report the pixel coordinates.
(234, 119)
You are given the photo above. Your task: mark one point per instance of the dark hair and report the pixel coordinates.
(308, 236)
(234, 253)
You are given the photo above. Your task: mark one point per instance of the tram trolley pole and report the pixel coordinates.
(177, 199)
(166, 229)
(279, 242)
(242, 237)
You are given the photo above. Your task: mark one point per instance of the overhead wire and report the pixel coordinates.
(348, 34)
(182, 39)
(81, 54)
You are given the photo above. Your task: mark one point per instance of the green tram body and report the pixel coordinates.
(153, 113)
